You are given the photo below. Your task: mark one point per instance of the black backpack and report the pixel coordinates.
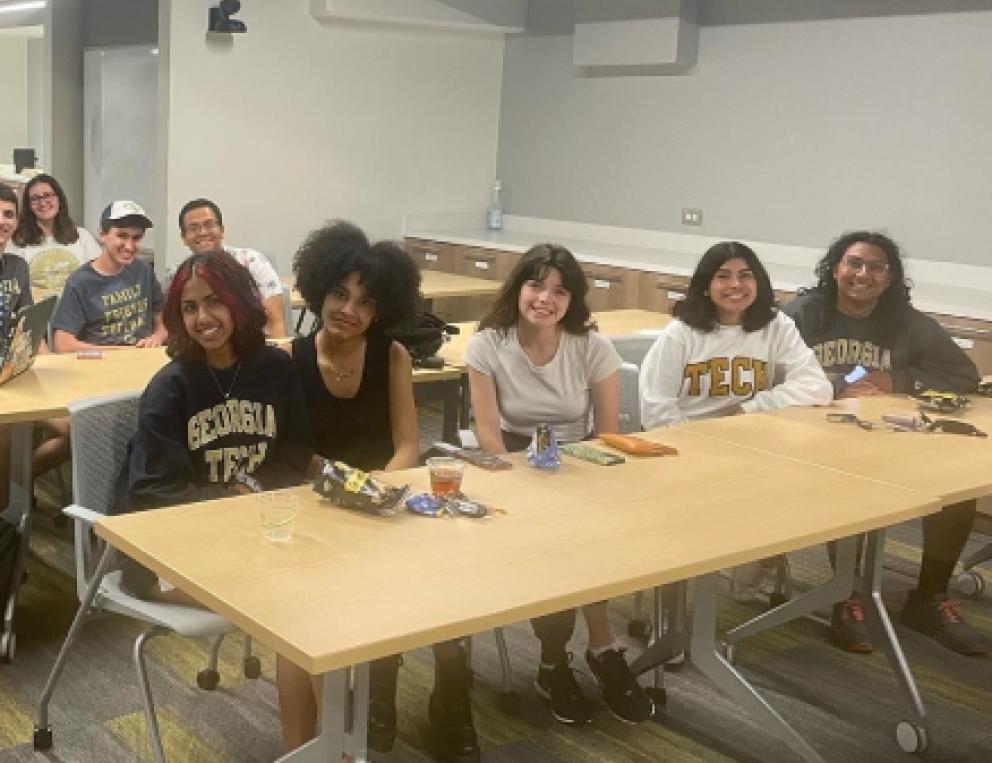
(424, 338)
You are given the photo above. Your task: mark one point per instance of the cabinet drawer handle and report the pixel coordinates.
(952, 328)
(431, 256)
(599, 280)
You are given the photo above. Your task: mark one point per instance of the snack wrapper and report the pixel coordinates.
(542, 453)
(589, 453)
(458, 505)
(637, 446)
(352, 488)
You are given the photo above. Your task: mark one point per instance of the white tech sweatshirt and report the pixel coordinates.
(690, 374)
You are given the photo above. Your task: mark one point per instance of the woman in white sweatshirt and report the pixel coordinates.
(729, 350)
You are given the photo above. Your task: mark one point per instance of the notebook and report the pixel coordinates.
(21, 337)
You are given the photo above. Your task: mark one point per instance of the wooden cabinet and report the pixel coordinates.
(491, 264)
(432, 255)
(784, 297)
(972, 335)
(660, 291)
(610, 288)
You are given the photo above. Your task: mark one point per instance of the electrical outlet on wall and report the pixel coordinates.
(692, 216)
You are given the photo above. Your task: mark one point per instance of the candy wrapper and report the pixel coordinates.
(457, 505)
(595, 455)
(354, 489)
(542, 453)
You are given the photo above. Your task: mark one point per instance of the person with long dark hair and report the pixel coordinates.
(358, 384)
(538, 360)
(728, 343)
(47, 238)
(227, 414)
(870, 340)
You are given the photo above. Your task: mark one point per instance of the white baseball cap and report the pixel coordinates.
(125, 210)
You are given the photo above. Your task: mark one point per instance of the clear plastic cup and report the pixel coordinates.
(278, 515)
(446, 476)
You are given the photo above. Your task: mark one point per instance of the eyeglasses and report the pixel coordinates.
(872, 267)
(38, 198)
(205, 227)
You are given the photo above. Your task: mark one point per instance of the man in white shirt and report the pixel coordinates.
(201, 225)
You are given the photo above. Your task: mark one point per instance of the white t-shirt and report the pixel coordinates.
(50, 262)
(689, 373)
(262, 272)
(557, 393)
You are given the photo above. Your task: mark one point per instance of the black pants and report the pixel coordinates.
(944, 536)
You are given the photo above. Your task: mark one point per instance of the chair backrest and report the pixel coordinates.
(633, 347)
(100, 429)
(630, 398)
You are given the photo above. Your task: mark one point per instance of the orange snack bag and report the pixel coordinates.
(637, 446)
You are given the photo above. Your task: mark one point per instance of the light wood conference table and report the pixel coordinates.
(319, 600)
(433, 285)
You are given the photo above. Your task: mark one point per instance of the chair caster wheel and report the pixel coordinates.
(639, 629)
(509, 702)
(207, 679)
(252, 667)
(658, 695)
(42, 738)
(777, 599)
(911, 737)
(971, 584)
(8, 645)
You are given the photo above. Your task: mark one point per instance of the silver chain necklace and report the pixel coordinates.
(234, 381)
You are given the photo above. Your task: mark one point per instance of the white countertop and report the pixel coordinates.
(790, 267)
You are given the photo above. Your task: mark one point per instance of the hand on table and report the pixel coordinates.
(152, 340)
(862, 388)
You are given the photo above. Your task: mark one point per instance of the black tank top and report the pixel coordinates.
(354, 430)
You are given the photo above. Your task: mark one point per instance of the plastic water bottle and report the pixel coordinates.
(494, 215)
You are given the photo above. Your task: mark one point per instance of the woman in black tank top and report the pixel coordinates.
(358, 383)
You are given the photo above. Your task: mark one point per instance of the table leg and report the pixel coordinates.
(450, 402)
(343, 720)
(21, 480)
(837, 588)
(884, 634)
(703, 654)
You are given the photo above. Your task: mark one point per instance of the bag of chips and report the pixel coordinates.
(352, 488)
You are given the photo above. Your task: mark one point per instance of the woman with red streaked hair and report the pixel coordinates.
(227, 415)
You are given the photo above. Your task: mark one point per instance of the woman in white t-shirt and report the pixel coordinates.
(47, 238)
(536, 359)
(729, 351)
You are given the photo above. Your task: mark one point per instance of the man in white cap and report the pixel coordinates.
(114, 300)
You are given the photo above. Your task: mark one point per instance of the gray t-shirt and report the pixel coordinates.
(109, 310)
(558, 393)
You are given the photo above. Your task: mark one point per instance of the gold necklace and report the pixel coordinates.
(338, 376)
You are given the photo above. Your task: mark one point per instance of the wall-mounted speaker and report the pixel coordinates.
(219, 21)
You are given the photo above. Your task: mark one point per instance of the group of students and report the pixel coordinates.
(231, 414)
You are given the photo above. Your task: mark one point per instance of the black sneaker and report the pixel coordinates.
(565, 699)
(847, 627)
(382, 703)
(938, 617)
(625, 697)
(449, 711)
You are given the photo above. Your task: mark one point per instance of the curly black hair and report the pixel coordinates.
(534, 265)
(894, 302)
(697, 309)
(390, 276)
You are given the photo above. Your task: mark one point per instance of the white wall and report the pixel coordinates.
(36, 97)
(299, 121)
(788, 132)
(13, 81)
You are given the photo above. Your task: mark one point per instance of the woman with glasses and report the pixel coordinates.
(46, 236)
(870, 340)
